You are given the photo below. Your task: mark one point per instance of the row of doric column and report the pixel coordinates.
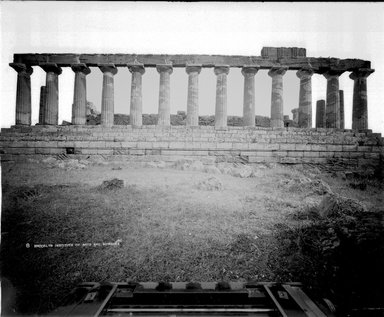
(49, 95)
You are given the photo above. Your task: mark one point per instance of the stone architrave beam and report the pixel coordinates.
(360, 100)
(221, 72)
(333, 99)
(51, 109)
(277, 100)
(136, 107)
(305, 98)
(181, 60)
(193, 72)
(249, 73)
(164, 113)
(107, 100)
(23, 93)
(80, 94)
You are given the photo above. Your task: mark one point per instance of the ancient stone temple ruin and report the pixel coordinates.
(328, 142)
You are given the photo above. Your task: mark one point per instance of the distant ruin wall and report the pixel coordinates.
(245, 144)
(178, 119)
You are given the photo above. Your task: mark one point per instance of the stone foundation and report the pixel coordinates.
(232, 144)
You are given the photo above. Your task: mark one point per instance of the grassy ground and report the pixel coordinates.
(172, 227)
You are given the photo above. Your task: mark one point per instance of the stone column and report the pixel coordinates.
(249, 73)
(51, 108)
(360, 101)
(320, 114)
(333, 99)
(23, 93)
(80, 94)
(164, 114)
(136, 107)
(305, 98)
(107, 99)
(42, 104)
(193, 72)
(277, 102)
(295, 116)
(342, 122)
(221, 73)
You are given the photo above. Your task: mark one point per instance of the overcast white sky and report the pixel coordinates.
(342, 30)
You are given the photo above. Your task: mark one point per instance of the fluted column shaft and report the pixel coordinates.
(320, 114)
(221, 73)
(136, 107)
(360, 100)
(277, 100)
(51, 109)
(107, 98)
(42, 104)
(193, 72)
(23, 93)
(164, 113)
(249, 73)
(333, 99)
(80, 94)
(342, 122)
(305, 98)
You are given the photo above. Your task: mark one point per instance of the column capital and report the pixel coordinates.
(333, 73)
(136, 68)
(304, 72)
(221, 69)
(277, 70)
(51, 68)
(81, 68)
(193, 68)
(22, 68)
(164, 68)
(361, 73)
(108, 68)
(249, 69)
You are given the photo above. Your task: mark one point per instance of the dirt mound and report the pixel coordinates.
(65, 163)
(305, 184)
(211, 183)
(233, 169)
(112, 184)
(334, 206)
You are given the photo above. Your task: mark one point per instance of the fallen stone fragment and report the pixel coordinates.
(211, 183)
(112, 184)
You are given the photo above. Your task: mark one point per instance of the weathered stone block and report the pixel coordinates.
(327, 154)
(332, 147)
(136, 152)
(224, 146)
(295, 153)
(318, 147)
(372, 155)
(302, 147)
(311, 154)
(287, 147)
(261, 153)
(349, 147)
(280, 153)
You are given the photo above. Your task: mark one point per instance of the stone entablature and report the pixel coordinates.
(277, 60)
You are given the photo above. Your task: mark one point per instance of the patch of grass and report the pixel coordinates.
(252, 229)
(338, 253)
(162, 239)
